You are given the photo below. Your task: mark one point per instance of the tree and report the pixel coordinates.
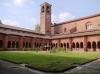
(37, 28)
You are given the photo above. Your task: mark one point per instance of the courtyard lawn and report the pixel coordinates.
(49, 61)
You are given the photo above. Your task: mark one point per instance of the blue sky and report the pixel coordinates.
(26, 13)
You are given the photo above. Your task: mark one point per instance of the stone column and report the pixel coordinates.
(70, 44)
(85, 43)
(21, 43)
(5, 42)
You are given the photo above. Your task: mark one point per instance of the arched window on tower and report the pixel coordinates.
(42, 9)
(47, 9)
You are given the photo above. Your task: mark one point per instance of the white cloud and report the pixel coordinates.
(11, 22)
(18, 3)
(21, 3)
(65, 16)
(62, 17)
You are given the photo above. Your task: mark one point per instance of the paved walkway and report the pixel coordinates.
(10, 68)
(89, 68)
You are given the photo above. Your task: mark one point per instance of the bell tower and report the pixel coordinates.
(45, 18)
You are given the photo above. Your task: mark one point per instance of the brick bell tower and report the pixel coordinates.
(45, 18)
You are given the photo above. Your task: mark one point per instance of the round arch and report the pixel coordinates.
(81, 45)
(67, 45)
(77, 45)
(64, 45)
(1, 43)
(61, 44)
(73, 45)
(89, 45)
(94, 45)
(98, 44)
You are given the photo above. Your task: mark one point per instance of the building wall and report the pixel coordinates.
(80, 25)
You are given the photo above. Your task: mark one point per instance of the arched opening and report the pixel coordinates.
(89, 45)
(36, 44)
(77, 45)
(29, 45)
(1, 44)
(61, 44)
(98, 44)
(67, 45)
(23, 44)
(17, 44)
(64, 45)
(94, 46)
(9, 44)
(53, 44)
(48, 9)
(13, 44)
(81, 45)
(56, 44)
(26, 45)
(42, 9)
(73, 45)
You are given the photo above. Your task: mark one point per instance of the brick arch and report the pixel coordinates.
(9, 44)
(94, 46)
(73, 45)
(13, 44)
(81, 44)
(67, 45)
(17, 44)
(98, 44)
(1, 43)
(77, 45)
(61, 45)
(89, 45)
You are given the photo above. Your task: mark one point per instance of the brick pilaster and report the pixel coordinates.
(5, 42)
(70, 44)
(21, 43)
(85, 43)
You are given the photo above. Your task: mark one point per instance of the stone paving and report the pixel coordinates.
(10, 68)
(89, 68)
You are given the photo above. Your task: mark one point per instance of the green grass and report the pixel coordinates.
(49, 61)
